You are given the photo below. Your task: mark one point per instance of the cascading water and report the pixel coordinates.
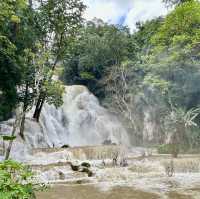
(80, 121)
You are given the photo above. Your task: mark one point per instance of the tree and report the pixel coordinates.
(18, 33)
(142, 37)
(120, 92)
(27, 88)
(175, 57)
(26, 62)
(12, 137)
(9, 66)
(59, 21)
(178, 38)
(9, 77)
(98, 47)
(175, 2)
(123, 84)
(178, 121)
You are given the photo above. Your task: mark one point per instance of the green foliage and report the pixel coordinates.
(179, 115)
(98, 47)
(8, 138)
(168, 59)
(16, 181)
(156, 82)
(9, 77)
(54, 92)
(179, 36)
(175, 2)
(25, 34)
(17, 32)
(59, 22)
(174, 57)
(143, 36)
(178, 122)
(10, 9)
(158, 63)
(168, 149)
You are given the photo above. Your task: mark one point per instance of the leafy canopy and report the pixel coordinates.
(16, 181)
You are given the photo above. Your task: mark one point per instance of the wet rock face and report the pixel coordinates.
(148, 113)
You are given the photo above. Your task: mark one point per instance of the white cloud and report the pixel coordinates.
(144, 10)
(133, 10)
(108, 10)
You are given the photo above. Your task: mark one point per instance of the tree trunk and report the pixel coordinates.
(4, 148)
(38, 108)
(30, 3)
(21, 131)
(25, 106)
(42, 96)
(8, 150)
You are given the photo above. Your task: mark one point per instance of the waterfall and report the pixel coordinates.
(80, 121)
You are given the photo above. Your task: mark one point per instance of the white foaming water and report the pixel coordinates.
(80, 121)
(146, 174)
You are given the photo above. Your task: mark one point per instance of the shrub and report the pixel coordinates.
(169, 149)
(16, 181)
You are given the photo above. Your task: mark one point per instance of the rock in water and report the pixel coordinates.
(74, 167)
(86, 164)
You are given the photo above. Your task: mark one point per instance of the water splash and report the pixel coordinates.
(80, 121)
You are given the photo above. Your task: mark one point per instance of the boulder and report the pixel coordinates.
(85, 164)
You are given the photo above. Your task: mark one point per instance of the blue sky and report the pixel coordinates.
(126, 12)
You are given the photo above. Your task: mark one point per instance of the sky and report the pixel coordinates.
(124, 12)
